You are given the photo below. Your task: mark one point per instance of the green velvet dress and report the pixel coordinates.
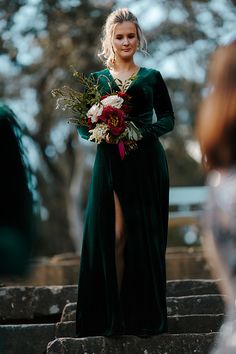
(141, 183)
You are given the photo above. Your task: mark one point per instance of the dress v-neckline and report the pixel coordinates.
(114, 79)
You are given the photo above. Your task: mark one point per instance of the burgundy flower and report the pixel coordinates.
(126, 104)
(122, 95)
(114, 118)
(90, 123)
(105, 96)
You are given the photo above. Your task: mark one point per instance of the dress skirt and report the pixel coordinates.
(141, 183)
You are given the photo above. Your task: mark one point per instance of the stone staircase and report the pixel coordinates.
(40, 320)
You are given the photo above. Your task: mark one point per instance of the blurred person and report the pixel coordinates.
(122, 282)
(216, 131)
(17, 229)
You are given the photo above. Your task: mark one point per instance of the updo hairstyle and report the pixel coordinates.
(118, 16)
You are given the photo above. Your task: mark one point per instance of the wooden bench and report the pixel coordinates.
(186, 205)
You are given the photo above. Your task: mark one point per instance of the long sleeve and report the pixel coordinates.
(83, 132)
(164, 111)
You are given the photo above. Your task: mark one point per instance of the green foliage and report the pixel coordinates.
(125, 85)
(78, 101)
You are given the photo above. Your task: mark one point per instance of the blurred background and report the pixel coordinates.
(38, 43)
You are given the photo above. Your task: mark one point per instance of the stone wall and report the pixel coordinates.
(63, 269)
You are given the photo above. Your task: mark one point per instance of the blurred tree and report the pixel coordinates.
(181, 35)
(39, 42)
(41, 39)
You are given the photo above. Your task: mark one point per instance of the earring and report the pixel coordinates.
(113, 60)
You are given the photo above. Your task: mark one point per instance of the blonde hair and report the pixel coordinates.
(216, 121)
(118, 16)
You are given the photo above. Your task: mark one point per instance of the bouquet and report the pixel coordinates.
(105, 116)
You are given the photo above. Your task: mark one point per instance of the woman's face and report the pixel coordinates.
(125, 40)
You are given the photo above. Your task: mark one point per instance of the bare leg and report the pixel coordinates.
(120, 240)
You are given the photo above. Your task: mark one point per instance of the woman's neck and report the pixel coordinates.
(124, 66)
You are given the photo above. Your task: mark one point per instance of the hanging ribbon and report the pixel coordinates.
(121, 148)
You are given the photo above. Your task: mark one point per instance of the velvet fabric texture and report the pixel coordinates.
(141, 183)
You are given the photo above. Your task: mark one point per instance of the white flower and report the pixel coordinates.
(98, 134)
(133, 132)
(94, 112)
(113, 100)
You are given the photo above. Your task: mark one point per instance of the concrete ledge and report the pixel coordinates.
(184, 264)
(162, 344)
(63, 269)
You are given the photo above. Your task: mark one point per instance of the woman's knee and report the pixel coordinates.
(120, 242)
(119, 225)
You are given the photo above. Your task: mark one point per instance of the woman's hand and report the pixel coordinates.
(110, 139)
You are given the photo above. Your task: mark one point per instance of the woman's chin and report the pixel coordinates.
(127, 56)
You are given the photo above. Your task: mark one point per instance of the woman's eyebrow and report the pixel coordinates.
(121, 34)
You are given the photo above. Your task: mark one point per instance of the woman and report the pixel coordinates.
(216, 129)
(122, 273)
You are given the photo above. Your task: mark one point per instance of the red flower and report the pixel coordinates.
(126, 98)
(90, 124)
(105, 96)
(122, 95)
(114, 118)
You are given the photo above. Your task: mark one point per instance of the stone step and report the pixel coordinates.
(196, 304)
(33, 304)
(162, 344)
(176, 324)
(24, 338)
(192, 287)
(182, 305)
